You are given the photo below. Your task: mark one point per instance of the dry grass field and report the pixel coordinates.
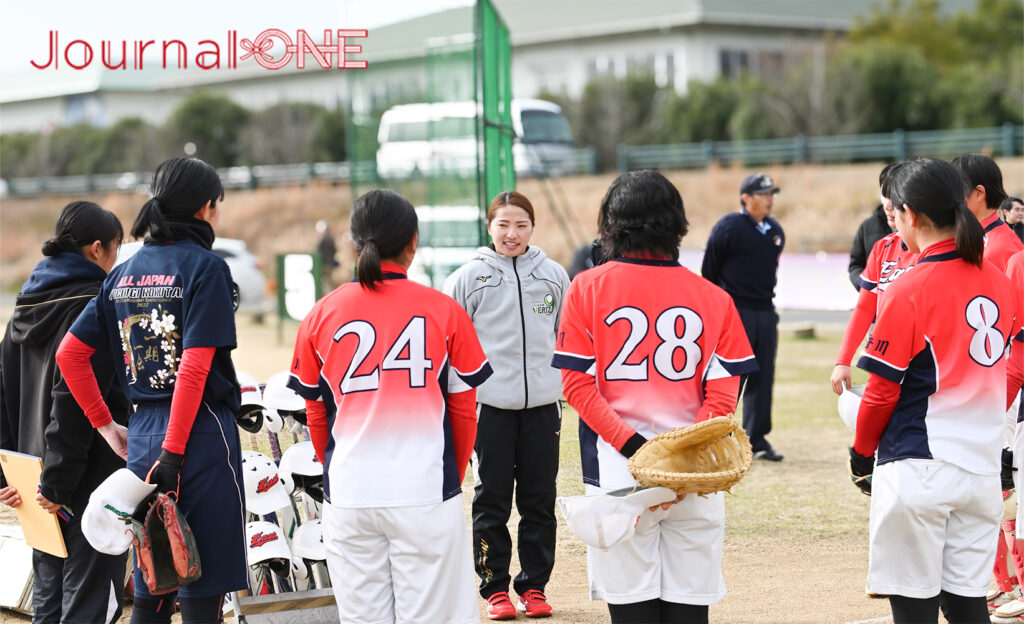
(796, 539)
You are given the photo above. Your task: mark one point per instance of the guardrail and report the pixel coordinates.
(242, 177)
(1005, 140)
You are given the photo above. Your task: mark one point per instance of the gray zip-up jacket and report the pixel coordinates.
(515, 305)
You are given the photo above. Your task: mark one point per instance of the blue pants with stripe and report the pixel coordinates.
(211, 494)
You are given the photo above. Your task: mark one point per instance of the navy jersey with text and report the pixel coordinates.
(166, 298)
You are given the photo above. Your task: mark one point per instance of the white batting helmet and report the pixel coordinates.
(278, 396)
(308, 541)
(300, 458)
(263, 490)
(266, 544)
(250, 414)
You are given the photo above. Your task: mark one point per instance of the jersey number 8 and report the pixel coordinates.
(987, 343)
(413, 338)
(664, 353)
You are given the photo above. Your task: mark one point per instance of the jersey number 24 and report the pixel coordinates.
(413, 338)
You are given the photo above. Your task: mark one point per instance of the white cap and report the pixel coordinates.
(605, 520)
(106, 521)
(308, 541)
(266, 543)
(263, 490)
(849, 405)
(300, 458)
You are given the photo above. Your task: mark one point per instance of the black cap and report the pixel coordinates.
(758, 183)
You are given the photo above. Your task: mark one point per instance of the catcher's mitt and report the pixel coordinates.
(164, 546)
(710, 456)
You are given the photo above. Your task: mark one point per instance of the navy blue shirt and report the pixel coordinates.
(743, 261)
(166, 298)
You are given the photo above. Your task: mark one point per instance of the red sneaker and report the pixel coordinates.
(500, 607)
(534, 603)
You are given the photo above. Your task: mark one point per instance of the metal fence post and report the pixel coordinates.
(899, 144)
(800, 149)
(622, 158)
(708, 149)
(1007, 135)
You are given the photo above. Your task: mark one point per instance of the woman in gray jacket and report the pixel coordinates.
(513, 294)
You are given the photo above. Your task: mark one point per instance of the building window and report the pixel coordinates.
(732, 63)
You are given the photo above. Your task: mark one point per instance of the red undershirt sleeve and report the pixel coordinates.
(188, 394)
(316, 422)
(861, 319)
(876, 406)
(462, 413)
(720, 397)
(582, 394)
(73, 360)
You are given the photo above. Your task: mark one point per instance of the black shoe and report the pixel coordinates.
(768, 454)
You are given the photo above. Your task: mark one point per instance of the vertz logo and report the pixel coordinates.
(548, 307)
(266, 483)
(208, 54)
(261, 538)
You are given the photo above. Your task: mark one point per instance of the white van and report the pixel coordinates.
(438, 138)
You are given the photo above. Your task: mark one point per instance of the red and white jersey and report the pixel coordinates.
(1000, 241)
(941, 333)
(651, 332)
(888, 259)
(383, 362)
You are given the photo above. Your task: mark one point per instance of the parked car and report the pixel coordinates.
(246, 273)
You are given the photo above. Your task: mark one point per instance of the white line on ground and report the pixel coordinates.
(887, 618)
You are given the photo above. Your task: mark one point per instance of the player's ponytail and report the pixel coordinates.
(642, 213)
(383, 223)
(80, 224)
(935, 189)
(180, 188)
(970, 237)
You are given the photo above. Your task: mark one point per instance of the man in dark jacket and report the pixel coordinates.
(38, 416)
(742, 257)
(871, 230)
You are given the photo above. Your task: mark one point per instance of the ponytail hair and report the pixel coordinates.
(936, 189)
(180, 188)
(383, 223)
(79, 225)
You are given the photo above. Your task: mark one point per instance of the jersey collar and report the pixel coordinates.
(939, 252)
(992, 221)
(393, 271)
(664, 262)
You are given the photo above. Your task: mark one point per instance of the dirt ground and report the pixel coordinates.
(796, 538)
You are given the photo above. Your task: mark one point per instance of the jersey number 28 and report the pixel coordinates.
(413, 338)
(665, 352)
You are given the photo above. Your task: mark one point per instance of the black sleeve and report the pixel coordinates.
(70, 436)
(714, 252)
(858, 256)
(8, 428)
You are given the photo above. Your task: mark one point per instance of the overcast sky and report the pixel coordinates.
(27, 23)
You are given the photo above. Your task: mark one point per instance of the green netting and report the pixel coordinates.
(428, 141)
